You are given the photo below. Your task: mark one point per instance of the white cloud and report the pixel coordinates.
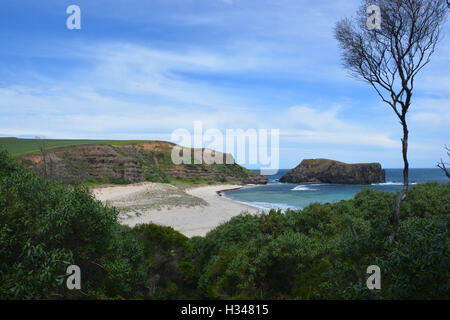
(88, 114)
(316, 119)
(431, 113)
(335, 139)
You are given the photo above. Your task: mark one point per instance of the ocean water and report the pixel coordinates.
(276, 195)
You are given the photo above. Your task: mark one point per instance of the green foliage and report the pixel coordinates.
(427, 200)
(171, 274)
(126, 265)
(320, 252)
(418, 267)
(323, 251)
(45, 226)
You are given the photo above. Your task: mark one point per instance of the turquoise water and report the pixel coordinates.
(276, 195)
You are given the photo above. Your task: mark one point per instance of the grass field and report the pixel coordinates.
(18, 147)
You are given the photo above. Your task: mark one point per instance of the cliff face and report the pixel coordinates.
(330, 171)
(149, 161)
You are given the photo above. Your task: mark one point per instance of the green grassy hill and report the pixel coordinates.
(96, 162)
(18, 147)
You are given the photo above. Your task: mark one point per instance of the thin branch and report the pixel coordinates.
(443, 165)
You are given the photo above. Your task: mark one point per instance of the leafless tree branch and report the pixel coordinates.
(44, 153)
(443, 165)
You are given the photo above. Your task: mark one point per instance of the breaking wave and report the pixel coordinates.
(303, 188)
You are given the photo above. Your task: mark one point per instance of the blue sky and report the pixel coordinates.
(141, 69)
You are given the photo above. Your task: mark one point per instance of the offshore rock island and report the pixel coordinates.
(331, 171)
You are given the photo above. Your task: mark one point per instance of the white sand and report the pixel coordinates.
(193, 212)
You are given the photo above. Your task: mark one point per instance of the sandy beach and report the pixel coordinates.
(193, 211)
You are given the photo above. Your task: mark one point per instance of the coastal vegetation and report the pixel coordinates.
(320, 252)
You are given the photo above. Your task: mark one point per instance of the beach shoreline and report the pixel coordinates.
(193, 211)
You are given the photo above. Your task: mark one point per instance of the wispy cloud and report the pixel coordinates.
(432, 114)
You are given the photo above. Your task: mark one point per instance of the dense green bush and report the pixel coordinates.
(323, 251)
(418, 267)
(169, 255)
(320, 252)
(45, 226)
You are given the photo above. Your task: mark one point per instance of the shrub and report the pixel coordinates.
(168, 253)
(45, 226)
(322, 251)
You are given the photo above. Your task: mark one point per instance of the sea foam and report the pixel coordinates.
(391, 183)
(303, 188)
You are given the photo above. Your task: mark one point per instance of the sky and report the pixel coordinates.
(142, 69)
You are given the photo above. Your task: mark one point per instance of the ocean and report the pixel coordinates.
(276, 195)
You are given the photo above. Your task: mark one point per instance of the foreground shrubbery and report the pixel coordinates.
(323, 251)
(320, 252)
(45, 227)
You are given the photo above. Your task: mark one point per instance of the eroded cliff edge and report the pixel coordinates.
(131, 163)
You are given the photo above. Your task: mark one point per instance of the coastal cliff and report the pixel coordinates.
(331, 171)
(132, 163)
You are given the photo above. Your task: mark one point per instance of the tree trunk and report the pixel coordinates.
(444, 168)
(403, 193)
(447, 173)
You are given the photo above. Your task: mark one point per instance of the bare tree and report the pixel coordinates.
(389, 57)
(443, 165)
(44, 152)
(47, 169)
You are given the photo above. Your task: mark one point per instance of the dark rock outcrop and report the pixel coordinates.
(330, 171)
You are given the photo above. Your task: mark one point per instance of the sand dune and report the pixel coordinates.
(193, 212)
